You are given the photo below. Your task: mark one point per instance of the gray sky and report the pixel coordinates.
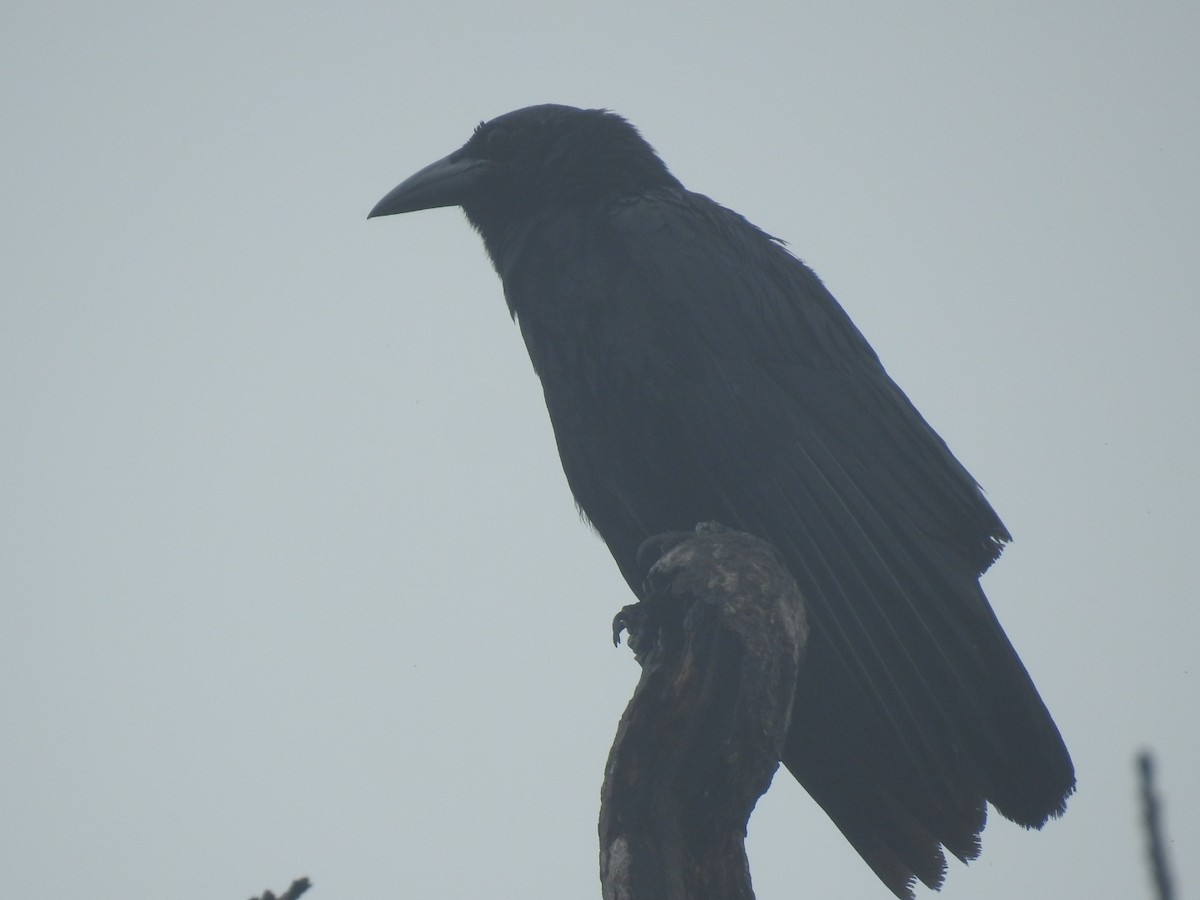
(290, 580)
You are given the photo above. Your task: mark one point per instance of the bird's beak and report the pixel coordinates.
(447, 182)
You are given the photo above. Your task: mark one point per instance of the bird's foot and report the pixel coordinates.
(629, 619)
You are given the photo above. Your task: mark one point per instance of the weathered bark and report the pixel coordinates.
(720, 636)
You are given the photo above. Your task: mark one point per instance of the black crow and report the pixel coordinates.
(695, 370)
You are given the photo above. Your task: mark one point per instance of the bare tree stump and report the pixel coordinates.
(720, 636)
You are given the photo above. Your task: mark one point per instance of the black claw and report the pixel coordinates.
(618, 625)
(628, 619)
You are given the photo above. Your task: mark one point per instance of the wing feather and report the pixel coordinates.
(730, 385)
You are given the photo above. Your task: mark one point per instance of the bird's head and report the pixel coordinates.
(531, 159)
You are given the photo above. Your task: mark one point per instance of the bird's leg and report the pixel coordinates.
(629, 619)
(644, 621)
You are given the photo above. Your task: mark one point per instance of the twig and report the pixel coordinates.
(298, 887)
(1156, 849)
